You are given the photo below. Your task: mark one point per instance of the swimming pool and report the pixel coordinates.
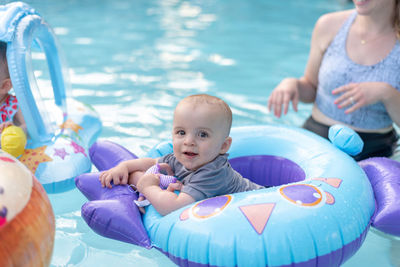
(134, 60)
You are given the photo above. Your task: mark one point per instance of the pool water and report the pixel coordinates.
(134, 60)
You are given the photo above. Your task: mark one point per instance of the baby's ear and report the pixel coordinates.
(226, 145)
(6, 84)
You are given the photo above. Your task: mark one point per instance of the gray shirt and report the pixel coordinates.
(213, 179)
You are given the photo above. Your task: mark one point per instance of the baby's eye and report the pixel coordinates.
(180, 132)
(203, 134)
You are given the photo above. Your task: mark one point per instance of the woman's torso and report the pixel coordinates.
(338, 69)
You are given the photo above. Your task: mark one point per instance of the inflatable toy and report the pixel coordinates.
(60, 129)
(13, 140)
(384, 175)
(27, 224)
(317, 212)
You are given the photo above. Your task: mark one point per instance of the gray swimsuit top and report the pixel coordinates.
(338, 69)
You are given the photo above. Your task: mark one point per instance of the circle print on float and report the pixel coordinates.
(208, 207)
(302, 194)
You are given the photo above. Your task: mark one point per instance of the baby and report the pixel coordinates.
(10, 114)
(200, 139)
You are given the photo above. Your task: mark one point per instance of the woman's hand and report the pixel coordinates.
(118, 175)
(285, 92)
(357, 95)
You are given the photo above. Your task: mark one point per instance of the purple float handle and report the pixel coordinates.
(105, 154)
(104, 203)
(384, 175)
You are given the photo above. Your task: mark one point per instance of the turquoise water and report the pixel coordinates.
(134, 60)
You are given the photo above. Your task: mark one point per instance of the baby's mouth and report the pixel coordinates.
(190, 154)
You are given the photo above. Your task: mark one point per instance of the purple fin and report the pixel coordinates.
(106, 154)
(111, 211)
(384, 175)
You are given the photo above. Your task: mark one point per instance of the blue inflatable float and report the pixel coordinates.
(60, 129)
(317, 212)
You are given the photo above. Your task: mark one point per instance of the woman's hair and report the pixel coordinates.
(396, 17)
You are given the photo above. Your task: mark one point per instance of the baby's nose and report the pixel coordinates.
(189, 139)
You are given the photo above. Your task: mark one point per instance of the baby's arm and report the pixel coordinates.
(164, 201)
(4, 125)
(130, 169)
(19, 120)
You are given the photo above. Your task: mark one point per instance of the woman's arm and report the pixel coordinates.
(323, 34)
(304, 89)
(391, 100)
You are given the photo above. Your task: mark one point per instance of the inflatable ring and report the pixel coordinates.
(32, 28)
(27, 224)
(59, 138)
(317, 212)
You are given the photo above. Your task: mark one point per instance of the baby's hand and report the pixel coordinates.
(5, 125)
(172, 187)
(117, 175)
(166, 169)
(148, 179)
(159, 174)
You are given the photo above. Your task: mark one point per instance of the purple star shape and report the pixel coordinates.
(111, 212)
(60, 152)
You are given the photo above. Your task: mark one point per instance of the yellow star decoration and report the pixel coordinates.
(33, 157)
(72, 125)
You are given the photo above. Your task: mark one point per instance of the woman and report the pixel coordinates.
(352, 75)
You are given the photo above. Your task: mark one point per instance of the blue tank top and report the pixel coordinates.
(338, 69)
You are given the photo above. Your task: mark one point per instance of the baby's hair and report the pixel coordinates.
(213, 100)
(3, 50)
(3, 58)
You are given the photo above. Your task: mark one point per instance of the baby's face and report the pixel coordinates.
(3, 77)
(3, 90)
(199, 133)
